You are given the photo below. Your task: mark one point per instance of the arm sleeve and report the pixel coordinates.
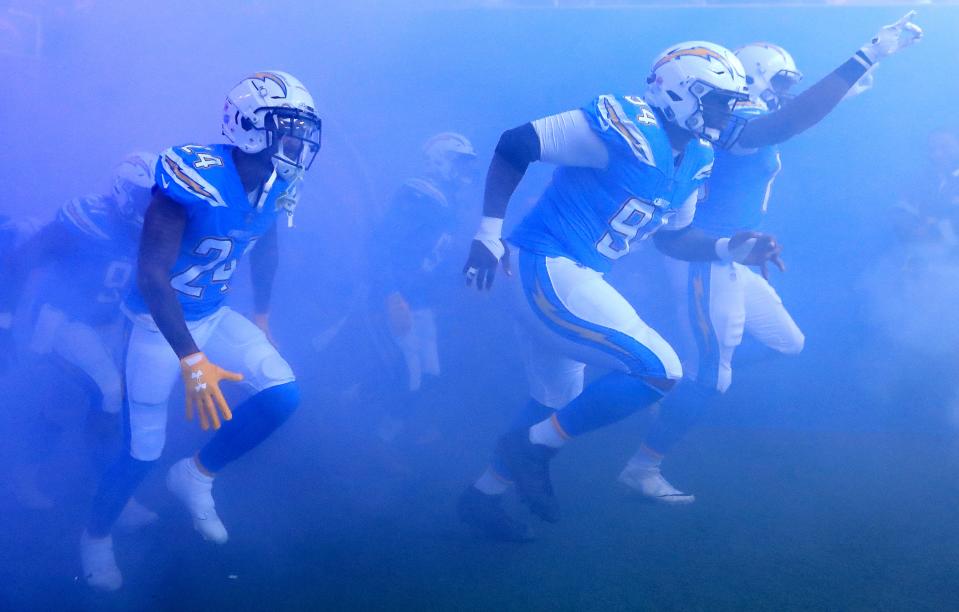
(567, 139)
(808, 109)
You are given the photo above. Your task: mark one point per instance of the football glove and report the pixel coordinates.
(892, 38)
(486, 251)
(201, 381)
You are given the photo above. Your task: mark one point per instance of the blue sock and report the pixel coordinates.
(607, 400)
(253, 421)
(678, 414)
(530, 414)
(116, 488)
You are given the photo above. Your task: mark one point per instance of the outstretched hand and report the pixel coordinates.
(757, 249)
(893, 38)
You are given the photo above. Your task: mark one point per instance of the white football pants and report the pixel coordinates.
(227, 338)
(718, 302)
(569, 316)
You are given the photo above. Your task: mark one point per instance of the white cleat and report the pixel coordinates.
(136, 516)
(195, 490)
(99, 566)
(648, 481)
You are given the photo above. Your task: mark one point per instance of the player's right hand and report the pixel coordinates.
(893, 38)
(486, 251)
(201, 381)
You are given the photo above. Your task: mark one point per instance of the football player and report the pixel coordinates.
(415, 239)
(212, 204)
(88, 254)
(13, 233)
(628, 168)
(722, 300)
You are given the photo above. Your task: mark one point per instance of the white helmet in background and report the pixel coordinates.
(448, 156)
(133, 180)
(274, 110)
(770, 72)
(684, 74)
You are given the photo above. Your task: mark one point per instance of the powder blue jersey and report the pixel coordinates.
(221, 224)
(591, 215)
(89, 284)
(736, 195)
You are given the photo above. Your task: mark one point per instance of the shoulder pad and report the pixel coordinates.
(614, 118)
(425, 188)
(186, 174)
(88, 215)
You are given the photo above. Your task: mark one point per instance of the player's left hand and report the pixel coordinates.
(756, 249)
(893, 38)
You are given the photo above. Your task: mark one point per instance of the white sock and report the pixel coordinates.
(195, 471)
(646, 458)
(491, 483)
(547, 433)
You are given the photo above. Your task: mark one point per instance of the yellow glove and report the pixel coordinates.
(201, 381)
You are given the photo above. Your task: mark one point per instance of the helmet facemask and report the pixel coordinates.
(293, 137)
(715, 110)
(778, 92)
(133, 201)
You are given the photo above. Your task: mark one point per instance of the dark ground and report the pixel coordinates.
(821, 492)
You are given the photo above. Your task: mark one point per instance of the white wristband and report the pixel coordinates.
(490, 228)
(738, 254)
(722, 250)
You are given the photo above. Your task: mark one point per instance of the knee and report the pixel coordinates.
(280, 401)
(664, 385)
(147, 431)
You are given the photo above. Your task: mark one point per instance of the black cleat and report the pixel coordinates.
(485, 514)
(528, 464)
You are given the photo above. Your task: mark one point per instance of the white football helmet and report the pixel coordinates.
(684, 74)
(274, 110)
(770, 72)
(446, 153)
(133, 180)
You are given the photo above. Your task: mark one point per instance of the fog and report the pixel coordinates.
(824, 480)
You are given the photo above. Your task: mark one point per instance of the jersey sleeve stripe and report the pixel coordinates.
(614, 116)
(187, 178)
(76, 214)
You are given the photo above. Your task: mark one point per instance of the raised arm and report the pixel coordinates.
(811, 106)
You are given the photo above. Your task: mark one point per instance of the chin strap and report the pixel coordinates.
(287, 202)
(265, 192)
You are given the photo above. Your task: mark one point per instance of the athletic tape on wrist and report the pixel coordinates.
(490, 228)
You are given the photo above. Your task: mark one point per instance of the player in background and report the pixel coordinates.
(87, 255)
(13, 233)
(721, 300)
(628, 168)
(212, 204)
(413, 243)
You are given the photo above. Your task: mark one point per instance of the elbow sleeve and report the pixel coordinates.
(519, 146)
